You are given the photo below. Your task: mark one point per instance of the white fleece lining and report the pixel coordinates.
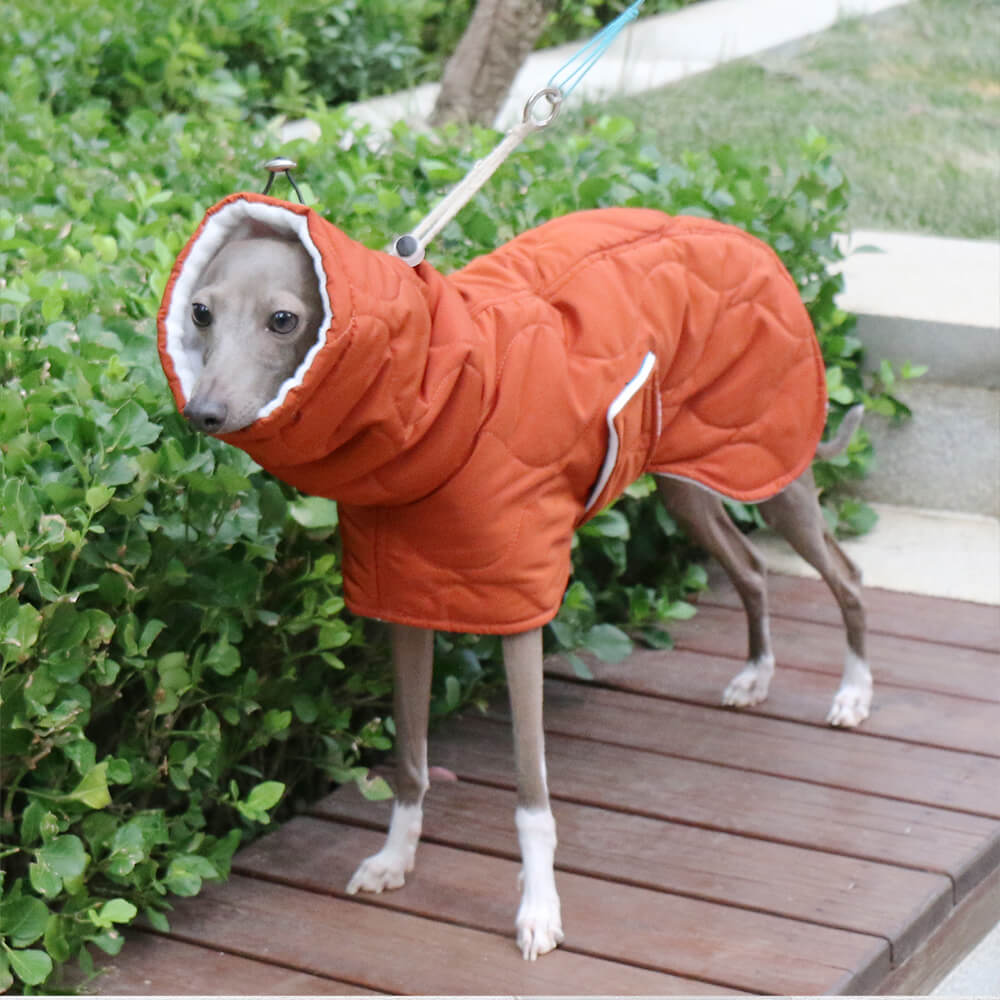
(618, 404)
(232, 221)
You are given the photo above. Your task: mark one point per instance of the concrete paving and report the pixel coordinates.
(946, 456)
(927, 299)
(652, 53)
(915, 550)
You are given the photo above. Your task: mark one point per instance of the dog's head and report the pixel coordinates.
(248, 309)
(252, 317)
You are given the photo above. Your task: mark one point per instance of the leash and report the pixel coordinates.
(411, 246)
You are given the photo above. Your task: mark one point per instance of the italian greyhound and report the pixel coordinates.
(254, 315)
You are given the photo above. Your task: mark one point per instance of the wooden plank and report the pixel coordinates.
(965, 927)
(931, 667)
(782, 810)
(150, 965)
(688, 938)
(901, 713)
(394, 952)
(809, 886)
(825, 755)
(933, 619)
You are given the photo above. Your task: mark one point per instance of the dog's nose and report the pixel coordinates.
(206, 415)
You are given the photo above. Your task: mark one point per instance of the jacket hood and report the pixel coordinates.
(357, 420)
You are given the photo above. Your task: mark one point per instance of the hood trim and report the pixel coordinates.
(234, 219)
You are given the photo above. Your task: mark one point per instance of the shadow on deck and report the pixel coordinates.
(702, 851)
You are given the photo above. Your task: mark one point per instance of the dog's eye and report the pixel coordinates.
(201, 314)
(283, 321)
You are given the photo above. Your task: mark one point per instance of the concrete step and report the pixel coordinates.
(939, 553)
(929, 300)
(946, 457)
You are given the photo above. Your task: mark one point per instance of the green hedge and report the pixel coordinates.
(240, 57)
(175, 658)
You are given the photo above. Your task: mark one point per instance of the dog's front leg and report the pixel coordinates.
(413, 659)
(539, 923)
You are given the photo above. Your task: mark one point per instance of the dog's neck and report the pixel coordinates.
(401, 350)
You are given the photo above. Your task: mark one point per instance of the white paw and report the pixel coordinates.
(539, 921)
(850, 706)
(751, 684)
(853, 701)
(388, 869)
(385, 870)
(539, 926)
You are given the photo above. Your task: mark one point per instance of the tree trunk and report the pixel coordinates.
(479, 73)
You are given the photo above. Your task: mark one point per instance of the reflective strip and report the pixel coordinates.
(616, 407)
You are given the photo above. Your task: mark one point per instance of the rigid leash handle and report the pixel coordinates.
(411, 246)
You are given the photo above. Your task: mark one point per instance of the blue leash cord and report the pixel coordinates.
(566, 78)
(410, 247)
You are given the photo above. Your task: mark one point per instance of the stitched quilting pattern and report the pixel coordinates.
(461, 420)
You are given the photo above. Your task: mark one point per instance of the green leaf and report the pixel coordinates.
(98, 497)
(24, 920)
(32, 966)
(157, 920)
(223, 658)
(52, 306)
(93, 789)
(579, 667)
(314, 513)
(375, 789)
(65, 855)
(266, 795)
(607, 643)
(680, 611)
(44, 880)
(117, 911)
(185, 874)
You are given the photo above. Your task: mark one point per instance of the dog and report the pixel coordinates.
(407, 396)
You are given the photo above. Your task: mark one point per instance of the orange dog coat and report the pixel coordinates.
(469, 423)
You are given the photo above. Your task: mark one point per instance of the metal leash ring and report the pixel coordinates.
(555, 98)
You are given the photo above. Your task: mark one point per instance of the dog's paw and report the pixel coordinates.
(853, 700)
(388, 869)
(751, 684)
(851, 706)
(385, 870)
(539, 927)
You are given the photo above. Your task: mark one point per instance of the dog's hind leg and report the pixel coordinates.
(413, 658)
(707, 523)
(795, 514)
(539, 923)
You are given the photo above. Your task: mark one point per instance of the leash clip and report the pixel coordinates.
(282, 165)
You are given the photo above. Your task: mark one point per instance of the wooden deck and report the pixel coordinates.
(702, 850)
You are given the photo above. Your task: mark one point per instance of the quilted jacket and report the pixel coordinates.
(469, 423)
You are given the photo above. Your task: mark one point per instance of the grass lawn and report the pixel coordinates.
(909, 99)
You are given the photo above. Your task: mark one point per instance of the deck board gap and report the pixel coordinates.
(740, 662)
(711, 600)
(556, 730)
(765, 711)
(397, 904)
(577, 870)
(556, 796)
(263, 959)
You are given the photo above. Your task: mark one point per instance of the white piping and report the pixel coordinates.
(618, 404)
